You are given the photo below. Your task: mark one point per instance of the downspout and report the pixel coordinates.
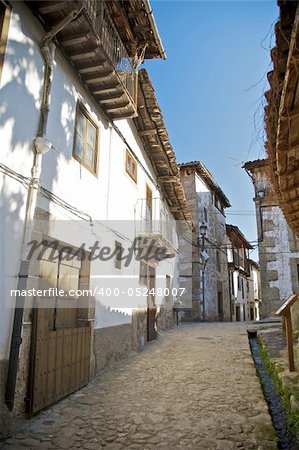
(41, 145)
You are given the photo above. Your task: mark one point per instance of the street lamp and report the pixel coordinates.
(204, 258)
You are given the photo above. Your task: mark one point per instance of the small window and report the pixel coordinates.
(4, 25)
(143, 273)
(118, 255)
(131, 166)
(85, 139)
(218, 261)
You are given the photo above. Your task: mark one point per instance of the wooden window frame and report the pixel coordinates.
(4, 27)
(131, 175)
(82, 110)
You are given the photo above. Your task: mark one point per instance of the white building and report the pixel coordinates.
(254, 296)
(239, 273)
(85, 161)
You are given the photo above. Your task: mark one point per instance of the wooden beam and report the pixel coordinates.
(110, 97)
(51, 7)
(83, 53)
(175, 209)
(129, 115)
(289, 338)
(105, 89)
(118, 106)
(168, 178)
(150, 132)
(99, 77)
(91, 67)
(75, 39)
(138, 12)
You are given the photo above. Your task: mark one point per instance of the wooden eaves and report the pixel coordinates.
(103, 44)
(233, 229)
(282, 113)
(206, 175)
(153, 133)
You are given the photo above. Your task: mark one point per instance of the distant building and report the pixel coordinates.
(277, 244)
(207, 202)
(253, 286)
(239, 273)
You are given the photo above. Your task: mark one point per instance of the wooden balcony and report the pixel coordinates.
(93, 46)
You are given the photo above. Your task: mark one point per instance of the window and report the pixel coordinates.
(131, 166)
(218, 261)
(4, 25)
(85, 139)
(118, 255)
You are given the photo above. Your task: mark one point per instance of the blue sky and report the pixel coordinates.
(211, 86)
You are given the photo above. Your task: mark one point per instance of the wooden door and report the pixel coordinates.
(61, 341)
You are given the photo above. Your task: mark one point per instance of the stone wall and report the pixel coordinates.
(278, 248)
(189, 261)
(165, 319)
(111, 344)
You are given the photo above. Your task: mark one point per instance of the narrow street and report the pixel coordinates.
(195, 387)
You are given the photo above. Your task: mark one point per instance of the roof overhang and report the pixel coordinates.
(282, 113)
(137, 26)
(154, 136)
(206, 175)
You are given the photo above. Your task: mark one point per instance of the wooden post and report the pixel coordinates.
(285, 312)
(289, 338)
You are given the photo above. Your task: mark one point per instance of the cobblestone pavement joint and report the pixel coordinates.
(195, 387)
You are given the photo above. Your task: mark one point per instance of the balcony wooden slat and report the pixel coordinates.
(91, 66)
(110, 97)
(75, 39)
(105, 75)
(112, 108)
(106, 88)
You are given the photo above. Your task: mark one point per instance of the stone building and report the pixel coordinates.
(277, 244)
(239, 273)
(207, 202)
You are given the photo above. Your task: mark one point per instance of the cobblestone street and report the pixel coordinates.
(195, 387)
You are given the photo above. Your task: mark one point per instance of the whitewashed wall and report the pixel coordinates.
(109, 196)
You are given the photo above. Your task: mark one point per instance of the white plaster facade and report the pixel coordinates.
(110, 200)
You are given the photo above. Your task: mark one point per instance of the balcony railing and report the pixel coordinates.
(154, 221)
(111, 42)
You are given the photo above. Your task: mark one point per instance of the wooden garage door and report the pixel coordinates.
(61, 337)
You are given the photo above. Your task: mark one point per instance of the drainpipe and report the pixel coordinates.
(41, 145)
